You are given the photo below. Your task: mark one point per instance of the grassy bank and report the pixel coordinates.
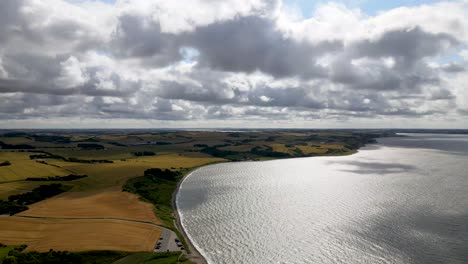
(154, 258)
(159, 192)
(16, 254)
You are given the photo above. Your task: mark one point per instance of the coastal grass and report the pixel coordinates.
(101, 257)
(154, 258)
(160, 193)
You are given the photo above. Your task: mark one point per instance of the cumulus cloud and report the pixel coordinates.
(230, 60)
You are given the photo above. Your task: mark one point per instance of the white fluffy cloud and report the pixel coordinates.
(212, 61)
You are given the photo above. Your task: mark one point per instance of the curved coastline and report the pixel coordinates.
(195, 253)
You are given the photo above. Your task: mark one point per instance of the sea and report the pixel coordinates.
(403, 200)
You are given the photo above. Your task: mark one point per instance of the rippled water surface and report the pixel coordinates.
(404, 200)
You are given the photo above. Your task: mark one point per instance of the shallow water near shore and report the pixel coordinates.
(404, 200)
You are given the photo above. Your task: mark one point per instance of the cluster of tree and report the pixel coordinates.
(43, 162)
(11, 208)
(16, 256)
(38, 194)
(200, 145)
(51, 138)
(5, 163)
(17, 203)
(215, 152)
(162, 143)
(47, 155)
(15, 134)
(87, 161)
(264, 151)
(156, 173)
(298, 152)
(155, 188)
(359, 140)
(90, 146)
(143, 153)
(18, 146)
(69, 177)
(117, 144)
(267, 151)
(91, 139)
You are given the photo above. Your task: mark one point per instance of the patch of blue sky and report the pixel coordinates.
(369, 7)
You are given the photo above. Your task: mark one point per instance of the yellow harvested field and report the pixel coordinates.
(112, 203)
(312, 150)
(22, 167)
(279, 148)
(332, 146)
(78, 235)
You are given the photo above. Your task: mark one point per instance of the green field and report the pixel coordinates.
(115, 160)
(4, 250)
(23, 167)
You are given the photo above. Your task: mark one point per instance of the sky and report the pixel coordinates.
(233, 63)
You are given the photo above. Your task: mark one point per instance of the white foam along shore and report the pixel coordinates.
(195, 254)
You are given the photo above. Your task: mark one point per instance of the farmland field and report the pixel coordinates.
(112, 203)
(95, 213)
(22, 167)
(78, 235)
(105, 175)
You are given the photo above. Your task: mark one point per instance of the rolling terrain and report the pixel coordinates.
(96, 166)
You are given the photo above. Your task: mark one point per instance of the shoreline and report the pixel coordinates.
(195, 254)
